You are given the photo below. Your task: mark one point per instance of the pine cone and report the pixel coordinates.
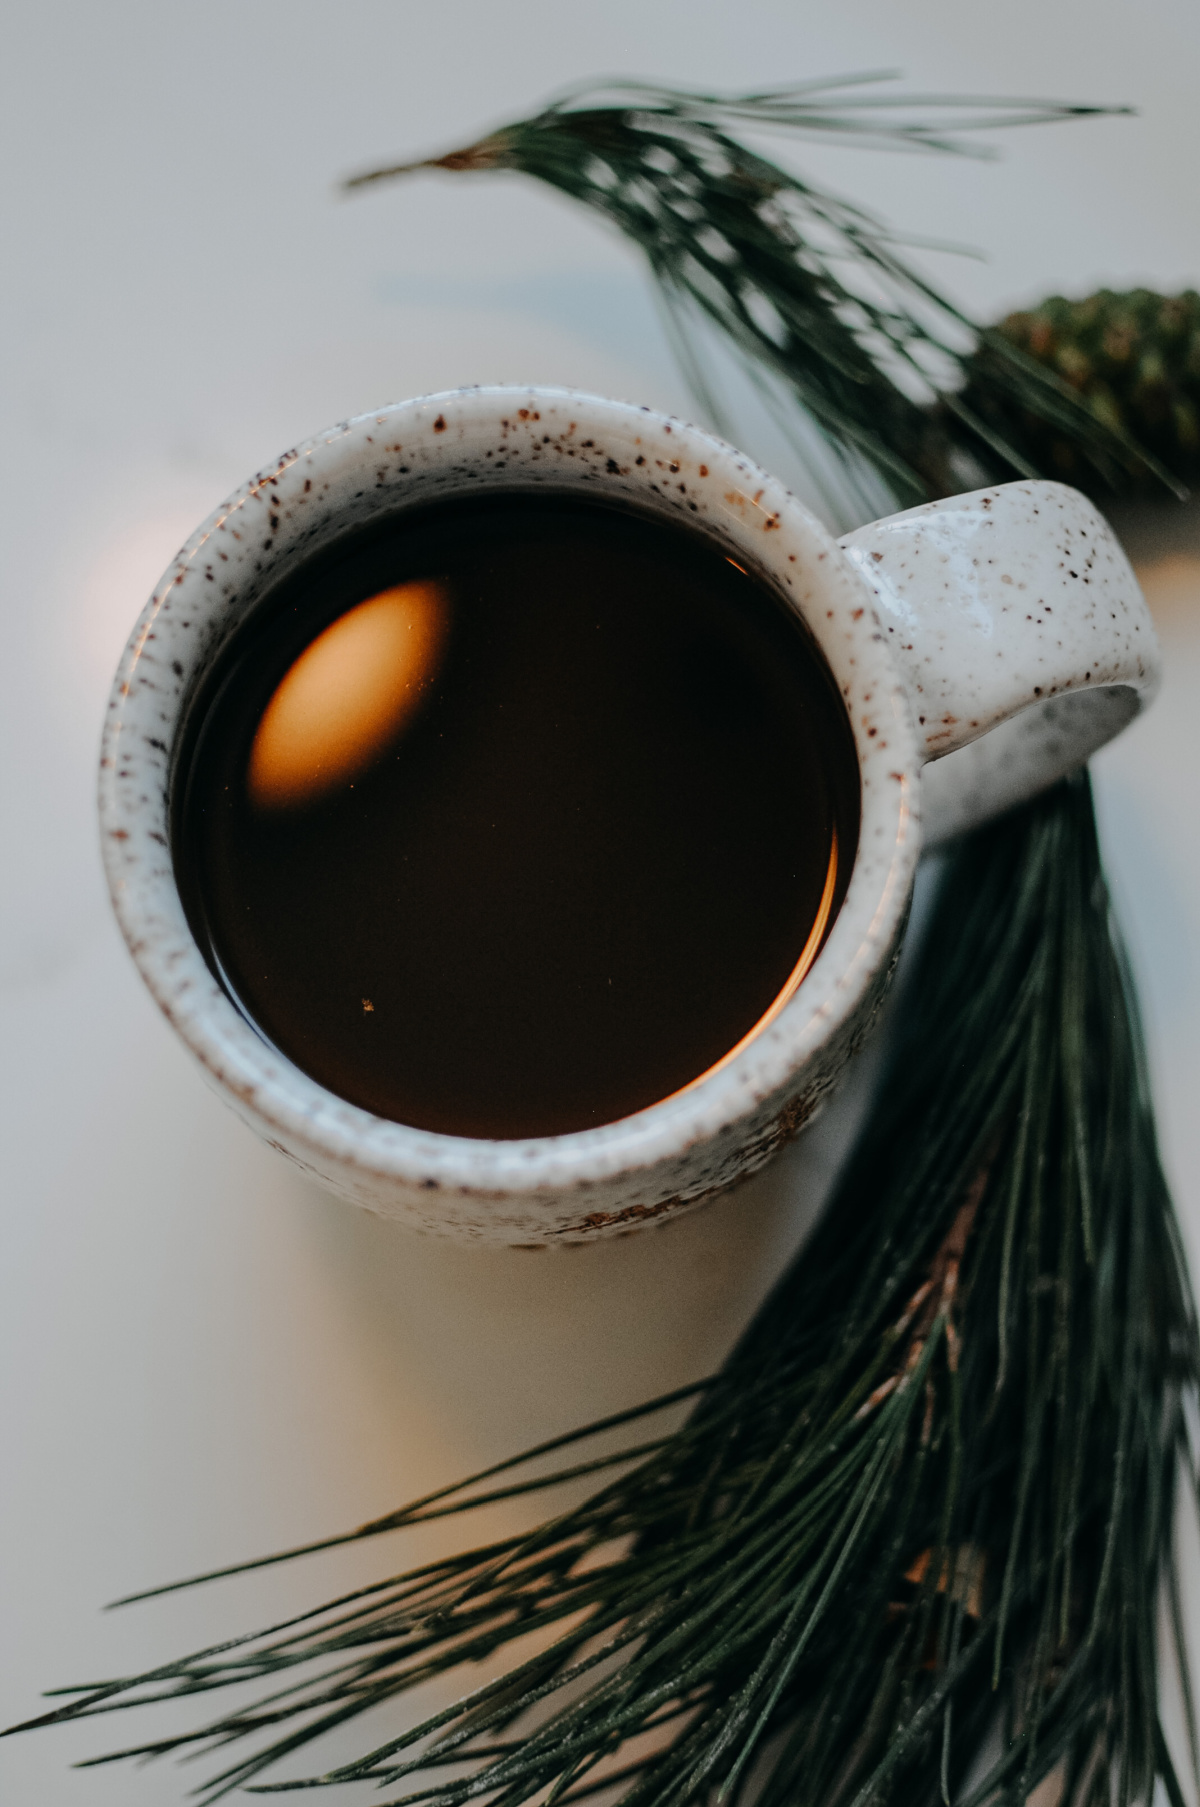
(1135, 360)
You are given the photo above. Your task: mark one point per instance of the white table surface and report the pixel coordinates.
(202, 1357)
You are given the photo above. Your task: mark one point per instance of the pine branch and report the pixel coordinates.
(811, 292)
(933, 1483)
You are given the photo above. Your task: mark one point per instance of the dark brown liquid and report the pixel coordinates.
(578, 847)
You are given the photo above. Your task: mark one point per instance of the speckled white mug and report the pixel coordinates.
(1004, 629)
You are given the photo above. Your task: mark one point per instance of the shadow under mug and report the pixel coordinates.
(1001, 635)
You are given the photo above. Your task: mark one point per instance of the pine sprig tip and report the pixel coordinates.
(819, 300)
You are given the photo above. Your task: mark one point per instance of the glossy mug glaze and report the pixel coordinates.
(1000, 634)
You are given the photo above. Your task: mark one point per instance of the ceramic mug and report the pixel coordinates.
(1001, 635)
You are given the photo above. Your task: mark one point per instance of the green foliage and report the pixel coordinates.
(815, 295)
(929, 1497)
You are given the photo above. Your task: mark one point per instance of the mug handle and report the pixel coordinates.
(1022, 636)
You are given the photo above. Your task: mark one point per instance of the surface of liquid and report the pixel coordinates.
(514, 816)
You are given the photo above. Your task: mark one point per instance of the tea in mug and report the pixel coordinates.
(513, 815)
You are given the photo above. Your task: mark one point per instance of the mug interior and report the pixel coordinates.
(403, 457)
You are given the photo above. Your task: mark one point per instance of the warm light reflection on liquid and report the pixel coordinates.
(808, 954)
(348, 696)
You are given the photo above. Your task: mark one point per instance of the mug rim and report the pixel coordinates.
(368, 465)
